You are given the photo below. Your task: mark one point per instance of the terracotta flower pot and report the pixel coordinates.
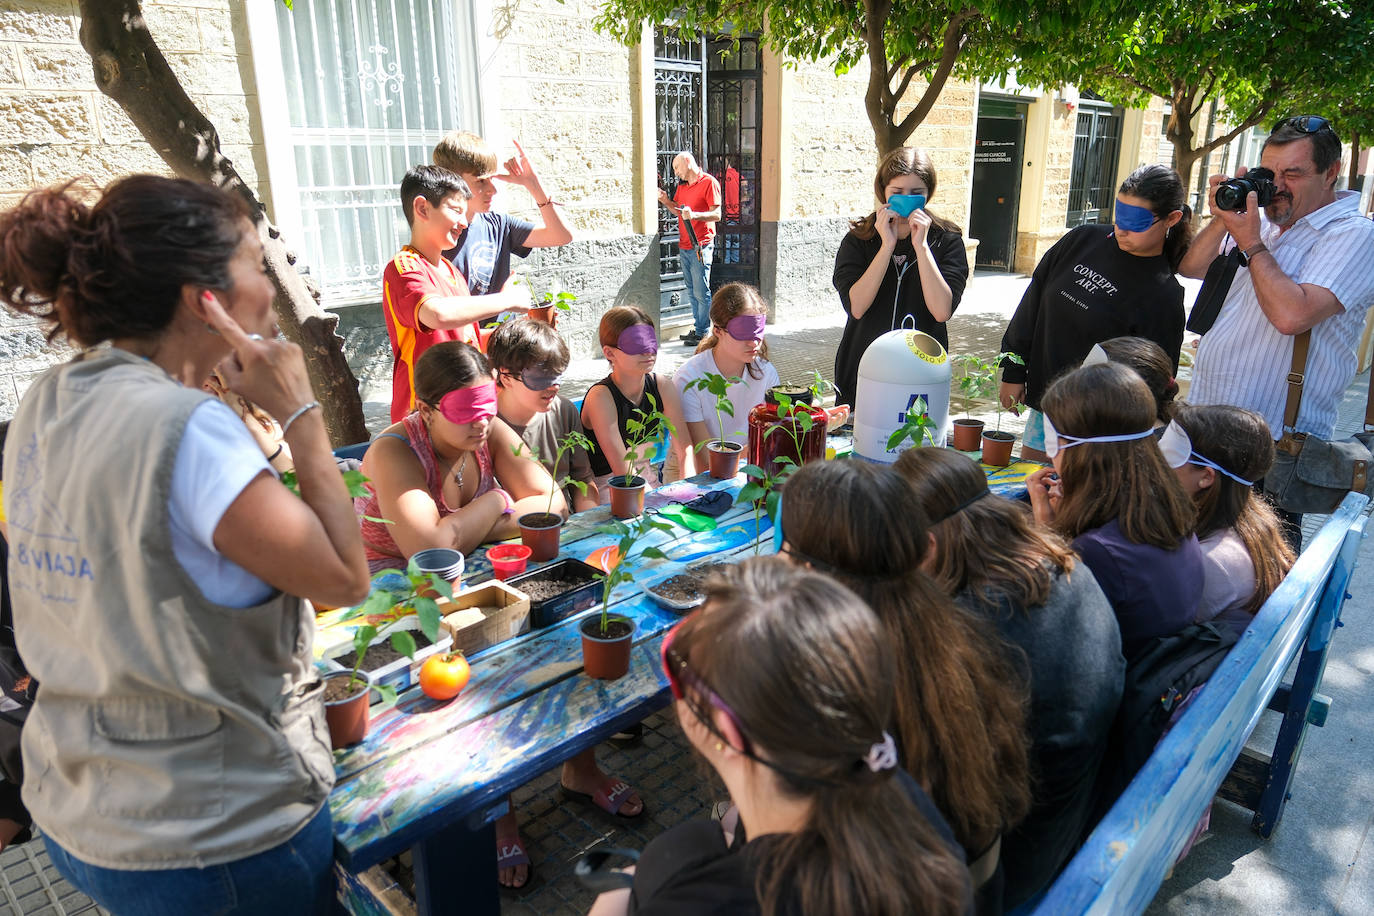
(627, 497)
(723, 459)
(347, 718)
(546, 314)
(539, 531)
(966, 434)
(606, 657)
(997, 448)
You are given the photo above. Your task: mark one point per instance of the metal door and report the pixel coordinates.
(996, 190)
(1092, 182)
(734, 107)
(679, 109)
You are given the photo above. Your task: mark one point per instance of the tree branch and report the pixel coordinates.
(131, 70)
(952, 44)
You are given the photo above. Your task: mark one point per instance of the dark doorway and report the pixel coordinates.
(996, 188)
(734, 97)
(1096, 148)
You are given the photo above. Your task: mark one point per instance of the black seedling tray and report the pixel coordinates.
(547, 611)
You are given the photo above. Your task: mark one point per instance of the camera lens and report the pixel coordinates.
(1231, 194)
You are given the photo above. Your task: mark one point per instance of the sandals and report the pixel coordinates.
(510, 852)
(610, 796)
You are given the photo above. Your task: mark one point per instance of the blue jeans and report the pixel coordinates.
(697, 275)
(295, 877)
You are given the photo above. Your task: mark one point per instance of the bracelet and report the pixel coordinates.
(505, 498)
(550, 201)
(273, 457)
(286, 427)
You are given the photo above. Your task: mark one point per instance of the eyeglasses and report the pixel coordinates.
(1307, 124)
(679, 674)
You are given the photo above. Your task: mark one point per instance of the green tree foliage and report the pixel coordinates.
(911, 49)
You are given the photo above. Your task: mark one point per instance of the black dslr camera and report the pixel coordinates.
(1232, 192)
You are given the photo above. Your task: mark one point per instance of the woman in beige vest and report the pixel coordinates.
(177, 751)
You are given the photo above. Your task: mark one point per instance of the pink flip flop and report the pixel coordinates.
(609, 796)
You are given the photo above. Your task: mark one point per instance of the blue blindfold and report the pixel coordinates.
(1132, 218)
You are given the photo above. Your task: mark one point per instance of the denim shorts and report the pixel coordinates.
(294, 877)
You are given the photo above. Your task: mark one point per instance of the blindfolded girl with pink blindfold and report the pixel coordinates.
(629, 341)
(446, 475)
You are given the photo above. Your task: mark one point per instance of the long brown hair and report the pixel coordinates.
(961, 713)
(1152, 364)
(1128, 481)
(1238, 440)
(616, 319)
(731, 300)
(905, 160)
(986, 547)
(806, 669)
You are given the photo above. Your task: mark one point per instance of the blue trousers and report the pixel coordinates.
(295, 877)
(696, 273)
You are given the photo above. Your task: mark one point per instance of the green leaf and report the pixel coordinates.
(362, 638)
(379, 601)
(404, 643)
(387, 692)
(427, 610)
(653, 553)
(749, 493)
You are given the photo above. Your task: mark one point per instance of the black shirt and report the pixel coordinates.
(1086, 290)
(898, 296)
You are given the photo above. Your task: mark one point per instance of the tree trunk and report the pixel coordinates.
(1353, 176)
(130, 69)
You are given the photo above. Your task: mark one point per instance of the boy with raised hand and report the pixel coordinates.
(425, 300)
(483, 251)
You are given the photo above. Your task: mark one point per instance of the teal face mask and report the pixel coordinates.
(905, 204)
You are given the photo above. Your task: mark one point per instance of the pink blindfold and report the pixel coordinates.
(468, 405)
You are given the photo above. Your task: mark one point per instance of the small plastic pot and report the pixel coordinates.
(967, 434)
(627, 497)
(539, 531)
(544, 313)
(606, 657)
(509, 559)
(723, 459)
(348, 718)
(444, 562)
(997, 448)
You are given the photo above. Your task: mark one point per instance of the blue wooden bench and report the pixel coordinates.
(1124, 861)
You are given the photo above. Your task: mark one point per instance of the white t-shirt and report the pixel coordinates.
(700, 406)
(216, 460)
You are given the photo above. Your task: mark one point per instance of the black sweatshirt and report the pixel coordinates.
(1086, 290)
(899, 295)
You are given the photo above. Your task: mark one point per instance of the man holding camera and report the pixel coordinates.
(1307, 264)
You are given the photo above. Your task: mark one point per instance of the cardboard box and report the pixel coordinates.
(481, 617)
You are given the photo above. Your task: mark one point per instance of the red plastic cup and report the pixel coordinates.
(508, 559)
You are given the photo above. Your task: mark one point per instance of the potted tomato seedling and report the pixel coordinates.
(539, 531)
(722, 456)
(642, 432)
(606, 637)
(346, 692)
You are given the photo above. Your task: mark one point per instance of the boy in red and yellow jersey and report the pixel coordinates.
(425, 300)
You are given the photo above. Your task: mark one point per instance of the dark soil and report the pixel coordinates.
(614, 628)
(336, 688)
(686, 586)
(996, 436)
(542, 588)
(540, 520)
(382, 654)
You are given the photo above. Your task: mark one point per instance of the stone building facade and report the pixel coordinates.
(582, 105)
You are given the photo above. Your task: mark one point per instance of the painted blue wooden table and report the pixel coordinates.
(433, 776)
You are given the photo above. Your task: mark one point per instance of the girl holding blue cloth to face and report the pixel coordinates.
(1096, 283)
(900, 262)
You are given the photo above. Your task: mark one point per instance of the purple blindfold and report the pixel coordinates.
(637, 340)
(746, 327)
(468, 405)
(1133, 218)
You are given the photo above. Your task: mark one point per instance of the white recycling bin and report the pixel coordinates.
(895, 370)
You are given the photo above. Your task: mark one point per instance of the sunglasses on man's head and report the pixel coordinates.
(680, 674)
(1307, 124)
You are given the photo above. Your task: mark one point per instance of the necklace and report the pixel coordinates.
(458, 471)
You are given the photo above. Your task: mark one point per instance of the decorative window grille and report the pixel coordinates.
(1096, 148)
(679, 101)
(370, 86)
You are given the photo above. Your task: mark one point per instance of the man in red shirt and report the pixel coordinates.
(425, 300)
(696, 204)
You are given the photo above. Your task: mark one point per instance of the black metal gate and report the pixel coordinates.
(734, 108)
(1096, 148)
(679, 108)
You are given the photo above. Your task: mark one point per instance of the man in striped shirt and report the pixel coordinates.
(1309, 265)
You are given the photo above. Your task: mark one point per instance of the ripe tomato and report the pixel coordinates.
(443, 677)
